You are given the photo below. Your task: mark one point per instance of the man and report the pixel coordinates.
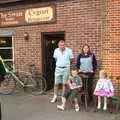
(63, 57)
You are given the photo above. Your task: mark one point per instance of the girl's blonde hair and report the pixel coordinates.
(103, 74)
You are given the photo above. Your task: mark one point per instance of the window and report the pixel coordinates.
(6, 49)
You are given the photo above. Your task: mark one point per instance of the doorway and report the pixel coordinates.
(50, 42)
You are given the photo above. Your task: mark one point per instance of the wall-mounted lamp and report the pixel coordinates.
(26, 36)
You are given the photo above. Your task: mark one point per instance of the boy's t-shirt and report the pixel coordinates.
(75, 81)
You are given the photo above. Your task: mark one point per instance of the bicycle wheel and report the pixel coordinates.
(39, 85)
(8, 85)
(20, 79)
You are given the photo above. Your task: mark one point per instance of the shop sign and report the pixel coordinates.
(27, 16)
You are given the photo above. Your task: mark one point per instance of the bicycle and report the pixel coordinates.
(33, 82)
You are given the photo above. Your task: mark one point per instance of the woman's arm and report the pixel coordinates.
(94, 62)
(78, 62)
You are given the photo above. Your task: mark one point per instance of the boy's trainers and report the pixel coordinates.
(77, 108)
(60, 107)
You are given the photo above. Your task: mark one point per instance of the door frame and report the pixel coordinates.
(43, 47)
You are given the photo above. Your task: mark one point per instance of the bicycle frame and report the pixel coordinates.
(12, 72)
(3, 63)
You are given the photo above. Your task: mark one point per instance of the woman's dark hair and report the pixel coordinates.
(89, 51)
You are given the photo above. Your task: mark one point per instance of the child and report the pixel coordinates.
(104, 88)
(74, 84)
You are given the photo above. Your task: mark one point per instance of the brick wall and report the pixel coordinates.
(81, 20)
(95, 22)
(111, 43)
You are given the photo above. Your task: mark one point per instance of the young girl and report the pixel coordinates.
(74, 84)
(104, 88)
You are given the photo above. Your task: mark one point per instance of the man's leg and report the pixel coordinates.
(63, 89)
(65, 78)
(62, 106)
(56, 83)
(64, 99)
(55, 94)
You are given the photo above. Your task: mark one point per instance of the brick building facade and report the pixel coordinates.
(96, 22)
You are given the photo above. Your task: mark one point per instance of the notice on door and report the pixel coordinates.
(27, 16)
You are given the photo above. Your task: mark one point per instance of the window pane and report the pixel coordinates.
(5, 41)
(6, 53)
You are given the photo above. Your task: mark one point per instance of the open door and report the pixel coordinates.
(50, 42)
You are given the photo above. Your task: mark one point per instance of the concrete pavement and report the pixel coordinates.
(24, 106)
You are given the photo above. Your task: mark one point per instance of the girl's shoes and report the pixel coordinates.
(105, 107)
(99, 106)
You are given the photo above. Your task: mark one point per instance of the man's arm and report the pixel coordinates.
(72, 60)
(55, 55)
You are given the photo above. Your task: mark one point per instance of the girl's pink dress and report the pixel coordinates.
(104, 87)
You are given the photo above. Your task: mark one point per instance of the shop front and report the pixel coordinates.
(30, 31)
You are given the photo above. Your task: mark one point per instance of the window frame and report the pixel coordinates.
(8, 48)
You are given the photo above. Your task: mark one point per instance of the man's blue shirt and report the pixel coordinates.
(63, 58)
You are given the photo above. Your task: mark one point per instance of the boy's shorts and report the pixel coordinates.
(73, 93)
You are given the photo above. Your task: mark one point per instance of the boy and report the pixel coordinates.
(74, 85)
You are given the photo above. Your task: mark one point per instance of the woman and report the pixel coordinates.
(86, 62)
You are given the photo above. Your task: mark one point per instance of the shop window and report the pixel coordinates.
(6, 49)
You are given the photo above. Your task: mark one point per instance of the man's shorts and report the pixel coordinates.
(61, 75)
